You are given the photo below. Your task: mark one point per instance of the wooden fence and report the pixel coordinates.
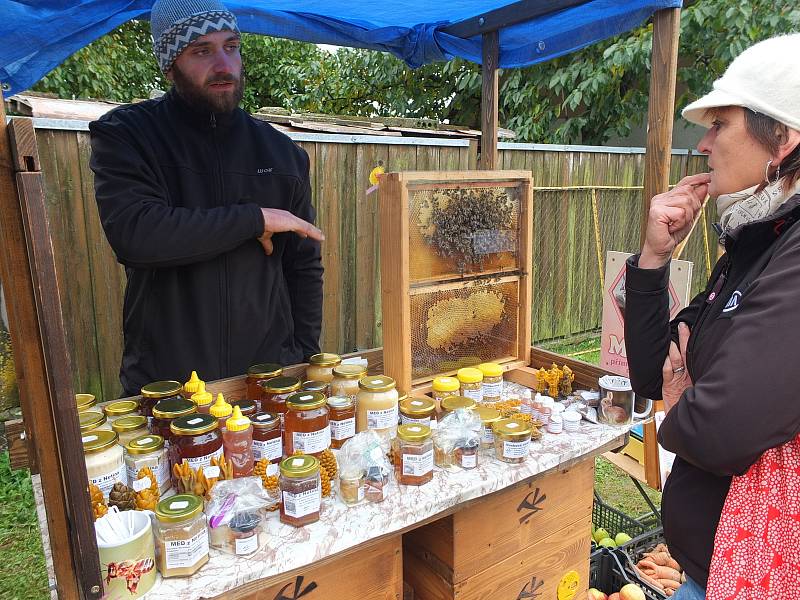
(566, 276)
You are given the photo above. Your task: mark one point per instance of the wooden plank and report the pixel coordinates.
(24, 150)
(664, 66)
(346, 341)
(490, 78)
(329, 221)
(525, 335)
(631, 466)
(374, 572)
(30, 365)
(16, 443)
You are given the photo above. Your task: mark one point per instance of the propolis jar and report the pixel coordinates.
(275, 391)
(345, 380)
(257, 374)
(512, 440)
(158, 390)
(305, 424)
(376, 405)
(320, 366)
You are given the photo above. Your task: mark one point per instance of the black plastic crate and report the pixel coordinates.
(631, 553)
(615, 521)
(607, 574)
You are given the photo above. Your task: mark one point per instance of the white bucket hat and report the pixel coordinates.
(764, 78)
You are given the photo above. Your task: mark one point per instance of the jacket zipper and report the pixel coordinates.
(224, 355)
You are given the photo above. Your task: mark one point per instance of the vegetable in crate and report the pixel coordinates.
(660, 570)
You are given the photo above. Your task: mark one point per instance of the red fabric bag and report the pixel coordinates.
(757, 545)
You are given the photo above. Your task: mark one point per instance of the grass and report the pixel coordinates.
(23, 573)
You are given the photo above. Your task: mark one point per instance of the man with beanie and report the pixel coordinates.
(210, 212)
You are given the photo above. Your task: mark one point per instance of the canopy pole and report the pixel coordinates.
(660, 117)
(489, 100)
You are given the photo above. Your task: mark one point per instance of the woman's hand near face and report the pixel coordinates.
(670, 219)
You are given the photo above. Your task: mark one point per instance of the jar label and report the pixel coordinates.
(272, 469)
(476, 395)
(493, 390)
(311, 442)
(203, 461)
(469, 461)
(247, 545)
(382, 419)
(106, 481)
(142, 484)
(269, 449)
(408, 420)
(488, 434)
(158, 464)
(418, 465)
(344, 429)
(304, 503)
(180, 554)
(516, 449)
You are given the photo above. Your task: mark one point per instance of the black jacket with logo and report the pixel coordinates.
(179, 195)
(742, 357)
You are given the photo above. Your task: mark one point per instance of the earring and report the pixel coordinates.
(777, 173)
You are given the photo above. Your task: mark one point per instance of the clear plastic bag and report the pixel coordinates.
(236, 512)
(365, 456)
(457, 439)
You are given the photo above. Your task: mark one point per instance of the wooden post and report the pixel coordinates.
(489, 100)
(660, 116)
(42, 363)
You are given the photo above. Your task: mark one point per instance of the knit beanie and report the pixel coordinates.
(175, 24)
(764, 78)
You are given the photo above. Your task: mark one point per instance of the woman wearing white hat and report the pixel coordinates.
(727, 365)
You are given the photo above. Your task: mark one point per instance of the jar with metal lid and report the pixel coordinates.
(267, 440)
(129, 428)
(158, 390)
(85, 402)
(148, 451)
(181, 535)
(91, 420)
(195, 439)
(451, 403)
(320, 366)
(301, 490)
(489, 416)
(306, 424)
(444, 387)
(418, 410)
(512, 440)
(256, 375)
(376, 405)
(492, 383)
(342, 417)
(471, 383)
(165, 411)
(105, 464)
(120, 408)
(274, 393)
(249, 408)
(345, 380)
(315, 386)
(414, 454)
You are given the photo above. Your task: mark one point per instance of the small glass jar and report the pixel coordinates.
(471, 382)
(105, 464)
(320, 366)
(466, 454)
(167, 410)
(345, 380)
(249, 408)
(244, 529)
(148, 451)
(315, 386)
(375, 482)
(421, 411)
(306, 424)
(376, 405)
(301, 490)
(158, 390)
(444, 387)
(414, 457)
(85, 402)
(119, 409)
(492, 381)
(274, 393)
(489, 416)
(268, 440)
(256, 375)
(451, 403)
(512, 441)
(195, 439)
(129, 428)
(342, 417)
(92, 420)
(181, 535)
(351, 487)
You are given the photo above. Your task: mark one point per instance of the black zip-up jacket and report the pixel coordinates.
(742, 357)
(179, 195)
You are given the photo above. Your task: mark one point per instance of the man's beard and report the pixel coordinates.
(201, 99)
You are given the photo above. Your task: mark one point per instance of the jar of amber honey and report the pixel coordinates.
(342, 416)
(275, 391)
(158, 390)
(257, 374)
(306, 424)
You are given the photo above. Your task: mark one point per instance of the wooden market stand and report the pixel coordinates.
(442, 548)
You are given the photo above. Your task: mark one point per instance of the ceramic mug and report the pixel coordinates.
(617, 402)
(129, 567)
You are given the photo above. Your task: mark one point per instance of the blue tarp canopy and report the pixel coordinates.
(37, 35)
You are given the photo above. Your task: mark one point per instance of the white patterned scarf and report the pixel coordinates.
(749, 205)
